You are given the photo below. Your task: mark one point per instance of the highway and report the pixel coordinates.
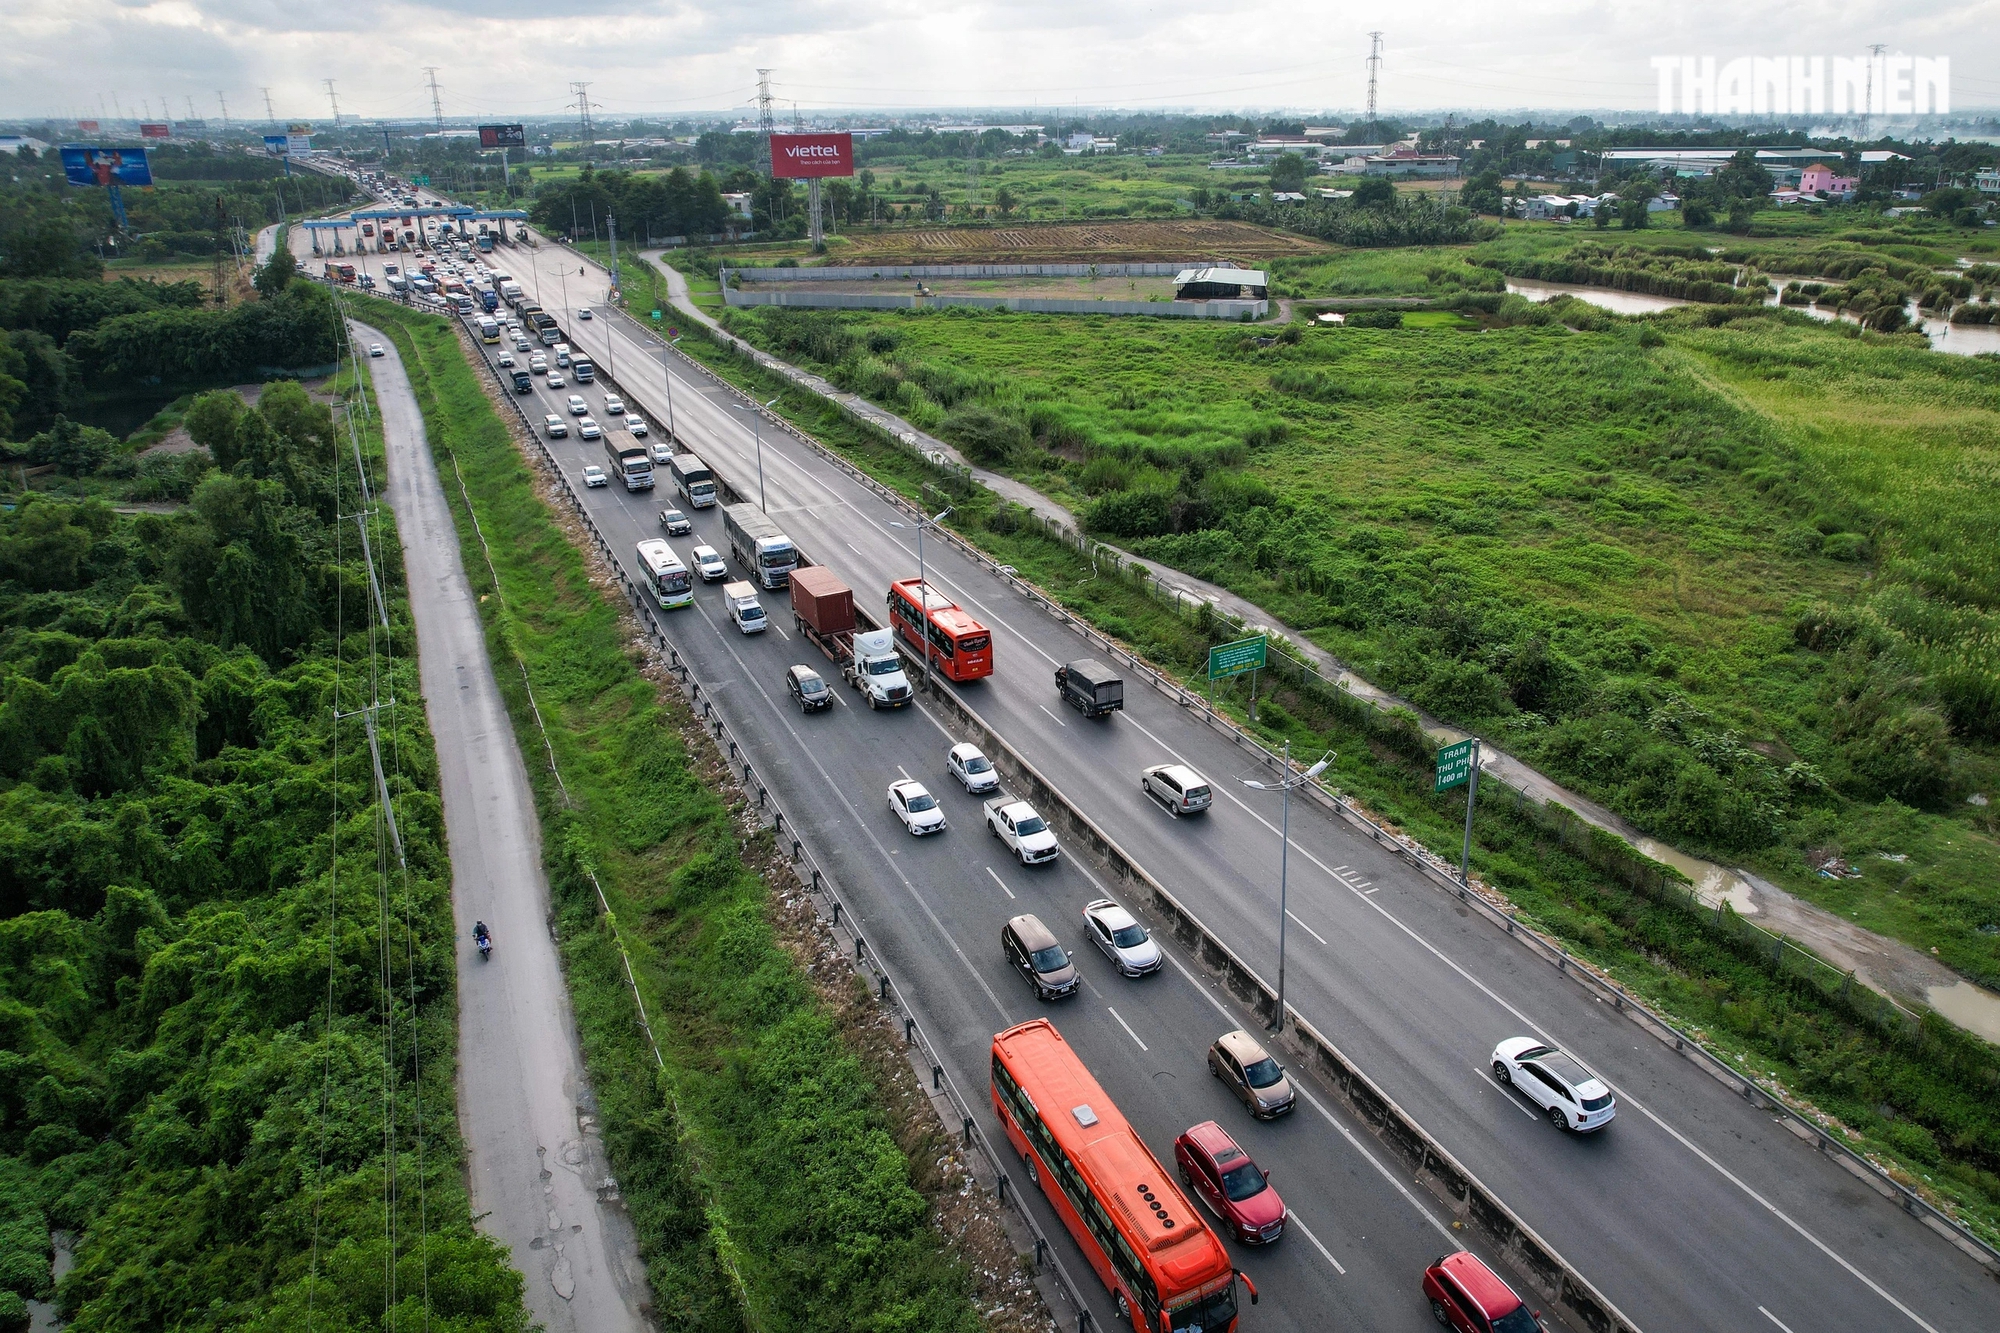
(1691, 1210)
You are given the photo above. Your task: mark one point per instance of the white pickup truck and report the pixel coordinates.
(1026, 833)
(744, 607)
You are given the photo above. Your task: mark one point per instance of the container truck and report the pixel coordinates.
(758, 545)
(823, 611)
(629, 462)
(693, 480)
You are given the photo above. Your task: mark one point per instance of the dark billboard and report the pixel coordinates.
(502, 136)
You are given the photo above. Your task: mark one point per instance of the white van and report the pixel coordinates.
(744, 608)
(669, 579)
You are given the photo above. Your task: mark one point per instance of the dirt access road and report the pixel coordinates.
(540, 1182)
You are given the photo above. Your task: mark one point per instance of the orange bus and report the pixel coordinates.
(950, 639)
(1168, 1272)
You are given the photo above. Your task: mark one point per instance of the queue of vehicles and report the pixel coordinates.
(1212, 1166)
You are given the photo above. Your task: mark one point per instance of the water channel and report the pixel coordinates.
(1955, 339)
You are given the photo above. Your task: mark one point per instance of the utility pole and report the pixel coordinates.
(223, 102)
(1868, 99)
(583, 126)
(437, 103)
(1374, 76)
(765, 125)
(270, 116)
(221, 221)
(334, 99)
(190, 102)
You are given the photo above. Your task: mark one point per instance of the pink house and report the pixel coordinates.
(1820, 177)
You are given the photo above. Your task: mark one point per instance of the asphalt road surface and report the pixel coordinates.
(538, 1173)
(1693, 1210)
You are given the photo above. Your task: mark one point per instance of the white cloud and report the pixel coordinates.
(519, 56)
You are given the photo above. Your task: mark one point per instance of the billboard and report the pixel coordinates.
(502, 136)
(800, 157)
(155, 129)
(287, 145)
(86, 127)
(90, 165)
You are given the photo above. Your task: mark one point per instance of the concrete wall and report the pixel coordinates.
(1027, 304)
(871, 272)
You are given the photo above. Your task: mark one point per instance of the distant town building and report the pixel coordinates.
(1410, 162)
(1819, 179)
(14, 143)
(1987, 182)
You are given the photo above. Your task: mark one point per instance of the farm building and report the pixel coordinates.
(1221, 284)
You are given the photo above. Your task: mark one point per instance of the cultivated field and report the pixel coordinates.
(1076, 243)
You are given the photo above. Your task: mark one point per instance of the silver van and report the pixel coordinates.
(1178, 787)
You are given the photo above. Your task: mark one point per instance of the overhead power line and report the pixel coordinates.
(437, 101)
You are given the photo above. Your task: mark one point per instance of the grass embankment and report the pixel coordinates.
(1439, 538)
(776, 1194)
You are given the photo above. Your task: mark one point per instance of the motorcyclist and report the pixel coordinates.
(481, 937)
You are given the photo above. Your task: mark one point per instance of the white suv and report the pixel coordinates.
(1571, 1096)
(1178, 787)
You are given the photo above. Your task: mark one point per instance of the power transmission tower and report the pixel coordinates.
(437, 103)
(221, 221)
(766, 126)
(190, 102)
(334, 99)
(1374, 75)
(1868, 98)
(223, 102)
(583, 125)
(270, 116)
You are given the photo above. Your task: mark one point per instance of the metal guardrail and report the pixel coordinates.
(811, 874)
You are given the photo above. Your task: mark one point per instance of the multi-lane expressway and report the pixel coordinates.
(1693, 1210)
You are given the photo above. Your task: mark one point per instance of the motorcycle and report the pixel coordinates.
(484, 942)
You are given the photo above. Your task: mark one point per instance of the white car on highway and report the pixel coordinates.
(1571, 1096)
(556, 381)
(583, 312)
(593, 475)
(1026, 833)
(974, 771)
(708, 563)
(913, 803)
(614, 404)
(555, 426)
(577, 407)
(1121, 938)
(633, 421)
(588, 429)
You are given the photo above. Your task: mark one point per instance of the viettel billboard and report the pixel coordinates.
(798, 157)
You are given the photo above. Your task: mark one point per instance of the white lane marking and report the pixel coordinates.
(1774, 1319)
(1303, 926)
(1306, 1231)
(1127, 1026)
(1346, 1133)
(1338, 869)
(1512, 1100)
(1001, 882)
(781, 631)
(1368, 893)
(1052, 717)
(904, 771)
(852, 547)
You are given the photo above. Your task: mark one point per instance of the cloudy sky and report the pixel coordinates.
(496, 58)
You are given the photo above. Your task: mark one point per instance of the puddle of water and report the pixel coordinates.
(1973, 1008)
(1945, 336)
(1712, 884)
(1624, 303)
(42, 1314)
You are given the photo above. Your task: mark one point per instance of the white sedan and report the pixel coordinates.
(375, 349)
(593, 475)
(583, 312)
(1121, 938)
(634, 423)
(588, 429)
(614, 404)
(1571, 1096)
(916, 807)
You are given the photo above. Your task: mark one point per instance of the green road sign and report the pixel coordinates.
(656, 314)
(1233, 659)
(1455, 765)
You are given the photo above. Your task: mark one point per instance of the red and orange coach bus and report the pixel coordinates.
(948, 638)
(1167, 1270)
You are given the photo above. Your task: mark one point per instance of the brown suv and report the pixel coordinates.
(1032, 951)
(1248, 1070)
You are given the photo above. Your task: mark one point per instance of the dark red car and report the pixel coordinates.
(1467, 1295)
(1224, 1178)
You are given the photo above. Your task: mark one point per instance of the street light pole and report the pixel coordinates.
(666, 368)
(1289, 781)
(923, 578)
(757, 426)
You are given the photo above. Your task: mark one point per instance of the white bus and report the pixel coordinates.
(669, 579)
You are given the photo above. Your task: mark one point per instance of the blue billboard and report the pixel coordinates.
(106, 166)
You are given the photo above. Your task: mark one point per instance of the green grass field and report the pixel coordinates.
(1729, 580)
